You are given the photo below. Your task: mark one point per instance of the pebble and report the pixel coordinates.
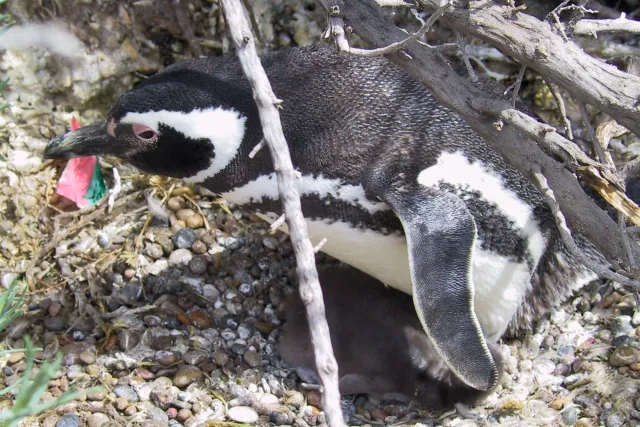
(220, 357)
(157, 414)
(69, 420)
(97, 419)
(590, 318)
(194, 357)
(184, 238)
(184, 414)
(635, 320)
(210, 292)
(176, 203)
(621, 341)
(199, 247)
(623, 356)
(88, 357)
(186, 375)
(621, 325)
(194, 221)
(154, 250)
(243, 414)
(172, 413)
(252, 358)
(201, 320)
(180, 257)
(570, 416)
(55, 323)
(166, 358)
(126, 392)
(183, 214)
(198, 265)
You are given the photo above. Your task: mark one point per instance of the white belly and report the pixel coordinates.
(499, 285)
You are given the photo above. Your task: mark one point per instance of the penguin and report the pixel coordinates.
(400, 186)
(378, 341)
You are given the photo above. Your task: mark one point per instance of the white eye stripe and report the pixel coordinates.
(224, 129)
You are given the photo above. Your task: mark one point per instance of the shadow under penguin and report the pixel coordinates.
(379, 344)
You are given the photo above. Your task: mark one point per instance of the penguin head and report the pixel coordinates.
(183, 124)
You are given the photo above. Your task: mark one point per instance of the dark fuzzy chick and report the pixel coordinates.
(378, 342)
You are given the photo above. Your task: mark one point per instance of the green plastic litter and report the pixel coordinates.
(97, 188)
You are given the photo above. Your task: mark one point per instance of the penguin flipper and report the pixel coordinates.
(441, 233)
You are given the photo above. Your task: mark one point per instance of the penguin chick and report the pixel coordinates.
(379, 344)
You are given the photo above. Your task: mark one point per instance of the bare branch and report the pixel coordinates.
(563, 110)
(571, 245)
(394, 47)
(310, 291)
(592, 135)
(320, 244)
(259, 146)
(535, 45)
(516, 87)
(591, 27)
(462, 49)
(277, 223)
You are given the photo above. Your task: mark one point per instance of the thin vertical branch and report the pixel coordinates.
(592, 135)
(310, 291)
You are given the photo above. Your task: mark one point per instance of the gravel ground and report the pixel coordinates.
(178, 316)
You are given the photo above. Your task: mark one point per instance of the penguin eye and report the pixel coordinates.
(144, 133)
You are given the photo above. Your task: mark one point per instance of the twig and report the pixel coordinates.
(115, 191)
(622, 221)
(394, 47)
(128, 311)
(319, 246)
(259, 146)
(567, 239)
(465, 58)
(277, 223)
(592, 135)
(310, 291)
(563, 110)
(591, 27)
(516, 88)
(554, 14)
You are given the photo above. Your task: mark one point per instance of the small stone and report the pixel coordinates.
(378, 414)
(55, 323)
(157, 414)
(121, 403)
(199, 247)
(570, 416)
(635, 320)
(166, 358)
(198, 265)
(69, 420)
(635, 366)
(252, 358)
(184, 214)
(194, 357)
(78, 336)
(88, 357)
(220, 357)
(270, 243)
(243, 414)
(184, 238)
(590, 318)
(194, 221)
(615, 420)
(623, 356)
(604, 334)
(621, 341)
(210, 292)
(180, 257)
(186, 375)
(314, 399)
(126, 392)
(557, 403)
(172, 413)
(293, 398)
(621, 325)
(97, 395)
(97, 419)
(183, 415)
(130, 410)
(176, 203)
(153, 250)
(201, 320)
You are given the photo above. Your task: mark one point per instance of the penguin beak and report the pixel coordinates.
(86, 141)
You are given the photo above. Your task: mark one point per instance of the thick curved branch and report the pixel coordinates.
(535, 44)
(510, 132)
(591, 27)
(310, 291)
